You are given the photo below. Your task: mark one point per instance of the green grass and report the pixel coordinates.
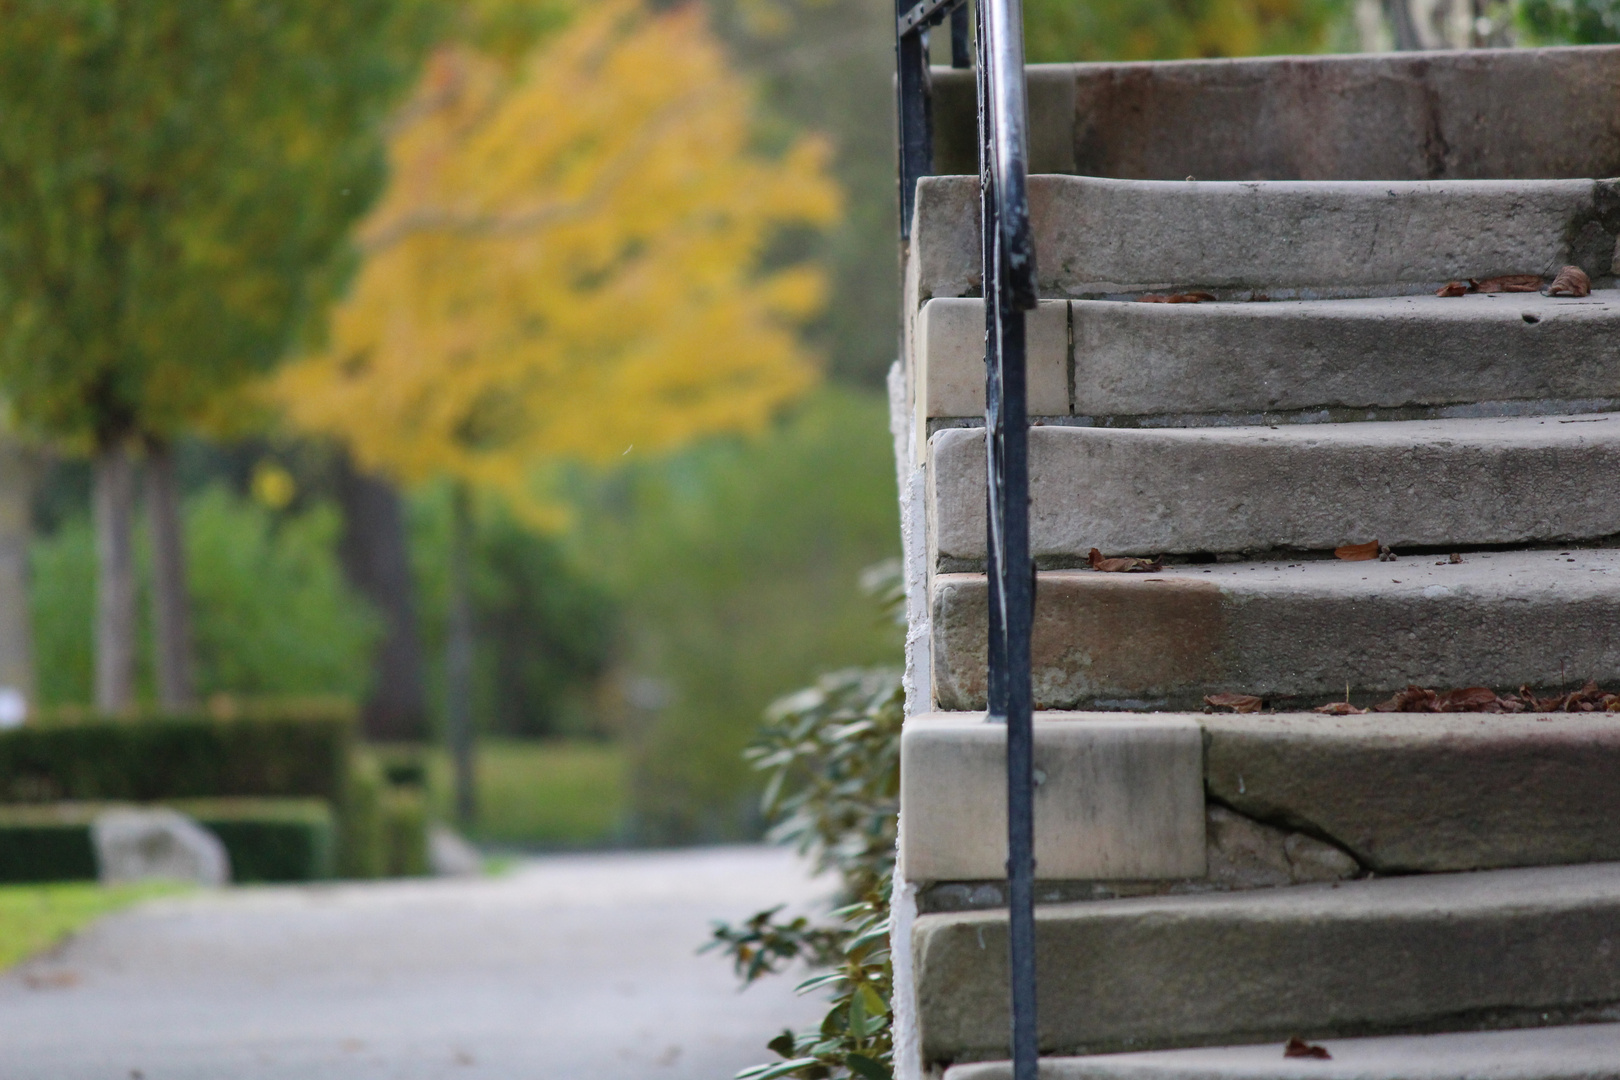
(534, 794)
(33, 918)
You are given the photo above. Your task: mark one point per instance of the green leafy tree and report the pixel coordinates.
(1570, 22)
(176, 181)
(1063, 30)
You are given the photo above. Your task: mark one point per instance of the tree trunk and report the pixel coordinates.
(16, 633)
(1404, 24)
(171, 601)
(458, 658)
(376, 561)
(114, 512)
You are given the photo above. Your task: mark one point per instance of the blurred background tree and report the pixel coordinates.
(567, 265)
(1569, 22)
(177, 178)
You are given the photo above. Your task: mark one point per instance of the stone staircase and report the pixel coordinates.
(1378, 882)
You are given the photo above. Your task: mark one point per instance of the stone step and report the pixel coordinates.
(1567, 1052)
(1297, 630)
(1122, 796)
(1474, 114)
(1102, 238)
(1403, 357)
(1299, 487)
(1430, 952)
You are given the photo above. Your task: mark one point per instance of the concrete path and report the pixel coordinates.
(567, 968)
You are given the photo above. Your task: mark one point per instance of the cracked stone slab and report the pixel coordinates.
(1299, 629)
(1507, 948)
(1150, 491)
(1290, 239)
(1409, 793)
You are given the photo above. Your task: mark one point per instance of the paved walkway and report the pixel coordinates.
(568, 968)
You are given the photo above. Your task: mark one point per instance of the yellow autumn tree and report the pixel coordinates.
(566, 263)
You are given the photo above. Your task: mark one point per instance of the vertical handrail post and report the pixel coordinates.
(1010, 289)
(915, 111)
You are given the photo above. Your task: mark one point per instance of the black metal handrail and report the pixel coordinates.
(1009, 291)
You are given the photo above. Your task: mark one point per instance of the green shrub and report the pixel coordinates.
(362, 845)
(274, 749)
(404, 829)
(832, 753)
(266, 839)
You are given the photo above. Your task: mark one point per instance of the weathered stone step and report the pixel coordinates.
(1304, 487)
(1122, 796)
(1569, 1052)
(1327, 359)
(1395, 116)
(1300, 630)
(1432, 952)
(1287, 239)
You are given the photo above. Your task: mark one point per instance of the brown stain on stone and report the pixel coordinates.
(1095, 637)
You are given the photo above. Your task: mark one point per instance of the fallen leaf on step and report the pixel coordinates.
(1338, 708)
(1412, 699)
(1176, 298)
(1299, 1048)
(1589, 698)
(1507, 283)
(1453, 288)
(1469, 699)
(1357, 552)
(1123, 564)
(1238, 703)
(1571, 281)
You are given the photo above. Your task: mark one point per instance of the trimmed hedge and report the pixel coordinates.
(232, 751)
(46, 843)
(384, 831)
(267, 839)
(268, 749)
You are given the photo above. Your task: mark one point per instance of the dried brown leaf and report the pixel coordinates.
(1238, 703)
(1299, 1048)
(1412, 699)
(1338, 708)
(1123, 564)
(1176, 298)
(1470, 699)
(1571, 281)
(1507, 283)
(1357, 552)
(1453, 288)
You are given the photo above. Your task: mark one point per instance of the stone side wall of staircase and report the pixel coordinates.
(1212, 879)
